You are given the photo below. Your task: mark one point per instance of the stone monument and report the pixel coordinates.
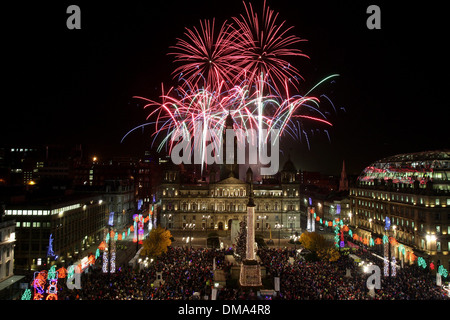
(250, 275)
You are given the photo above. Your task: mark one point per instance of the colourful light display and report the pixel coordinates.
(39, 282)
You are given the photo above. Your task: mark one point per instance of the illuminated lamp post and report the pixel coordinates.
(262, 218)
(279, 227)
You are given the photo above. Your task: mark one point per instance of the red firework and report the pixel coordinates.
(262, 44)
(206, 54)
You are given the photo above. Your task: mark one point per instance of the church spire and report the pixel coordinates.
(343, 183)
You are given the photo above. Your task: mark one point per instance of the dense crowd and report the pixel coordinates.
(188, 274)
(328, 280)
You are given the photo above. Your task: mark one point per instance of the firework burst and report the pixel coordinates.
(238, 70)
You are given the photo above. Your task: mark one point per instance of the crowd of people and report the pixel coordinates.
(344, 279)
(188, 273)
(185, 272)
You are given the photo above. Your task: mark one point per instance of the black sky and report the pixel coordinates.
(76, 86)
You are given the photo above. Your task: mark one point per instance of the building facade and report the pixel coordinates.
(56, 229)
(7, 242)
(413, 191)
(213, 204)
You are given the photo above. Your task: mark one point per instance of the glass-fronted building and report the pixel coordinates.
(413, 191)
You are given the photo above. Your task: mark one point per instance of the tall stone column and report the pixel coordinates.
(250, 275)
(250, 252)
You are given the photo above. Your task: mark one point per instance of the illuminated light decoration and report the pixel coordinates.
(50, 252)
(371, 242)
(386, 258)
(71, 271)
(52, 273)
(406, 168)
(26, 295)
(387, 223)
(39, 282)
(378, 241)
(102, 245)
(119, 237)
(350, 233)
(97, 253)
(401, 248)
(442, 271)
(124, 235)
(107, 237)
(355, 237)
(393, 241)
(91, 259)
(138, 228)
(116, 236)
(394, 266)
(38, 296)
(421, 262)
(111, 219)
(385, 239)
(311, 226)
(105, 262)
(113, 262)
(62, 272)
(431, 265)
(52, 290)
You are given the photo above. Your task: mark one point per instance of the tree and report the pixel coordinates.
(156, 243)
(317, 243)
(313, 241)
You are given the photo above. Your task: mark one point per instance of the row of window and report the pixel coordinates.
(41, 212)
(229, 207)
(401, 197)
(29, 224)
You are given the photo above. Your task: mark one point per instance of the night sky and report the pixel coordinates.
(76, 86)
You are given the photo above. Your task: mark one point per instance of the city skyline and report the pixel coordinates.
(76, 86)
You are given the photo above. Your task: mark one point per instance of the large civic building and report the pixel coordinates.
(413, 191)
(215, 202)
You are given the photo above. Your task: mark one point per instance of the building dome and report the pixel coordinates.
(408, 168)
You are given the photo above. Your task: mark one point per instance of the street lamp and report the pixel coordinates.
(206, 217)
(279, 227)
(262, 218)
(290, 219)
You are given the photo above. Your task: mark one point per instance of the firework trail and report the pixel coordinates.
(238, 70)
